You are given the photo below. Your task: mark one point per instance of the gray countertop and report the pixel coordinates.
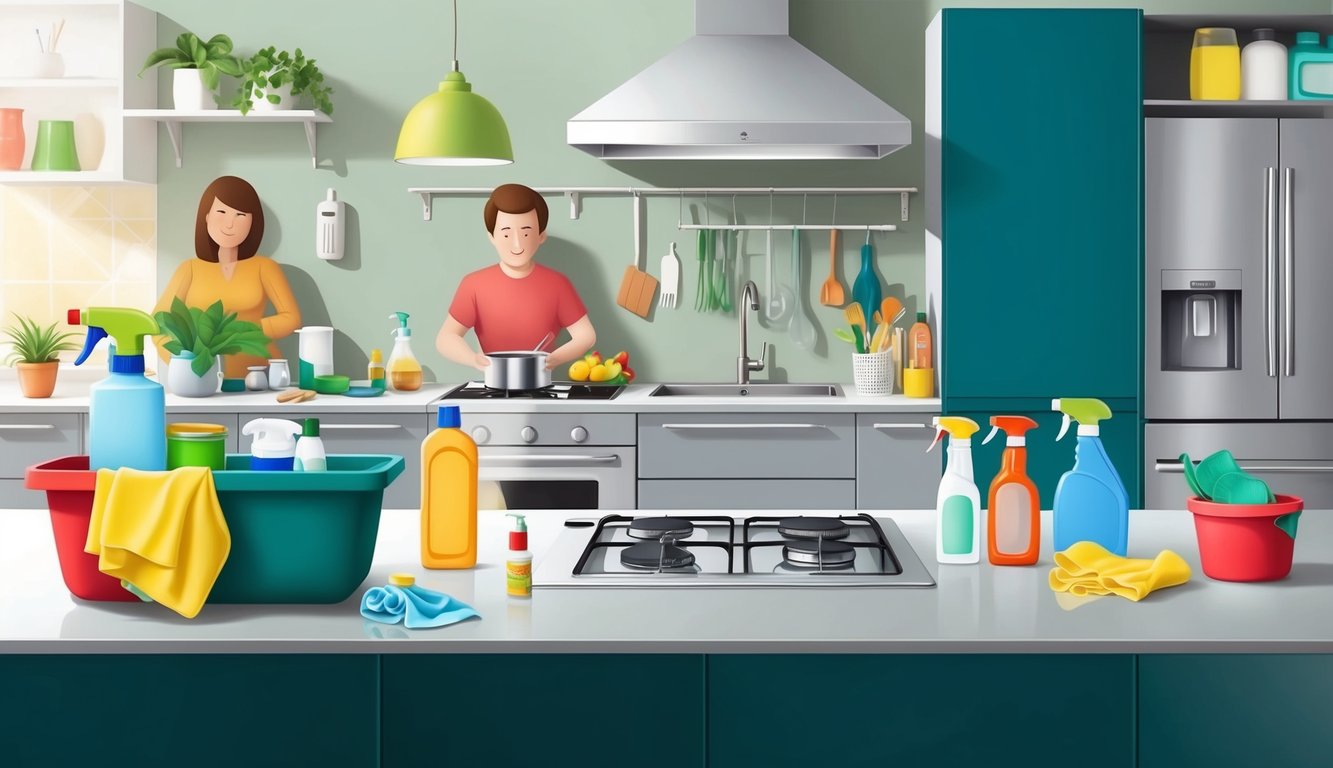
(974, 609)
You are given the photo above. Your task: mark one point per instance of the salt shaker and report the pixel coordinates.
(257, 378)
(279, 376)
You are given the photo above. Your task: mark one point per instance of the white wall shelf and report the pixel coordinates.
(45, 83)
(52, 178)
(173, 120)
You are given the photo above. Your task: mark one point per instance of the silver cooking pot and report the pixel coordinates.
(517, 370)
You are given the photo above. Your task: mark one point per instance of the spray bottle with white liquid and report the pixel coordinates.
(958, 504)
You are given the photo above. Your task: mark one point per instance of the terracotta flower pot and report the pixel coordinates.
(38, 379)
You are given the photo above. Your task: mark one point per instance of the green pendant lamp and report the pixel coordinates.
(454, 126)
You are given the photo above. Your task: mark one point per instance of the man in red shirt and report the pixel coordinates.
(512, 305)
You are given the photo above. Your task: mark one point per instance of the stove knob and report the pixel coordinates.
(480, 435)
(578, 434)
(528, 434)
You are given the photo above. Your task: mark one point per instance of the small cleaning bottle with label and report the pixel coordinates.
(375, 370)
(449, 494)
(518, 562)
(274, 446)
(310, 456)
(1091, 503)
(958, 504)
(126, 412)
(404, 370)
(1013, 508)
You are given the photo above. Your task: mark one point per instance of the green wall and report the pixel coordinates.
(540, 63)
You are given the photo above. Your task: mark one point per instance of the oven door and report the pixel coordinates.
(583, 477)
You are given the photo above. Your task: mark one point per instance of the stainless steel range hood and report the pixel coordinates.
(740, 89)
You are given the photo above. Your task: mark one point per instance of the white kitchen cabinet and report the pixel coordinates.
(753, 494)
(31, 438)
(893, 470)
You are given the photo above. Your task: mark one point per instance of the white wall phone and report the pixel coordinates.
(330, 227)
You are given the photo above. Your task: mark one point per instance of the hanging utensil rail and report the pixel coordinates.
(576, 194)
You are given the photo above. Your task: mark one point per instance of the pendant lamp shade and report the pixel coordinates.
(454, 126)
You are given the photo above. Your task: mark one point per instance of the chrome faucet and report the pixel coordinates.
(744, 365)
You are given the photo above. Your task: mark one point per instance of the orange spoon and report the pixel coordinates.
(831, 293)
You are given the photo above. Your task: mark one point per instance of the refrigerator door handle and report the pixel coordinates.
(1270, 269)
(1175, 467)
(1288, 245)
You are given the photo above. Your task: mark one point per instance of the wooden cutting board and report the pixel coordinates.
(637, 287)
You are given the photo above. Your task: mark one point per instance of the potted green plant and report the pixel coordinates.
(197, 338)
(34, 352)
(197, 64)
(273, 79)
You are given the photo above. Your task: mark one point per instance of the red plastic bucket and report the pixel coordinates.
(1246, 542)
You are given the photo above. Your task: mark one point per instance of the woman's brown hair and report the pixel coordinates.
(237, 193)
(515, 198)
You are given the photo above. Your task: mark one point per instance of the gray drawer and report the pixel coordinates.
(557, 428)
(748, 445)
(747, 494)
(30, 438)
(14, 496)
(399, 434)
(229, 420)
(893, 470)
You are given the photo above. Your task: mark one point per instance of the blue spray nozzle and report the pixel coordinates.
(95, 334)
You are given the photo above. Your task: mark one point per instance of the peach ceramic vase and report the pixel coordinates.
(11, 139)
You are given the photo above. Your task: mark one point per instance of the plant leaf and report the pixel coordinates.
(209, 74)
(202, 359)
(161, 56)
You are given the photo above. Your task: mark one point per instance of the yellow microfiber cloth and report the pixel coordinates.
(1086, 568)
(162, 532)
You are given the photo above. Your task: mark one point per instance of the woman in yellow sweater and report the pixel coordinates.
(227, 232)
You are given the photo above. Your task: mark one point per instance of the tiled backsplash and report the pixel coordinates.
(66, 247)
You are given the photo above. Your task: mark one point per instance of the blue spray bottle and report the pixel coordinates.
(1091, 503)
(126, 411)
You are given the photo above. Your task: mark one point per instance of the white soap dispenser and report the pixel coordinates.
(330, 227)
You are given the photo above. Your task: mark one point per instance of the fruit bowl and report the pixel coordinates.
(593, 370)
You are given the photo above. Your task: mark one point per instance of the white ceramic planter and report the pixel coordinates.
(284, 94)
(188, 92)
(182, 381)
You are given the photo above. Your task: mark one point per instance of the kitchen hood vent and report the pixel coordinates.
(740, 89)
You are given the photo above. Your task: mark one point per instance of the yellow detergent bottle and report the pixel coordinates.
(404, 370)
(449, 495)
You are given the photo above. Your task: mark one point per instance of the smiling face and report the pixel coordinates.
(516, 238)
(227, 226)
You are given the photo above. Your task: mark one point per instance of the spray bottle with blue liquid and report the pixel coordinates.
(1091, 503)
(126, 412)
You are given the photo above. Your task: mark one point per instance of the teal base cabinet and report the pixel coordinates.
(1235, 711)
(851, 711)
(543, 711)
(1048, 459)
(188, 710)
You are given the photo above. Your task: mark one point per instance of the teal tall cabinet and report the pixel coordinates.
(1034, 140)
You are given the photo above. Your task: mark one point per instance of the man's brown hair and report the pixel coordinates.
(515, 198)
(237, 193)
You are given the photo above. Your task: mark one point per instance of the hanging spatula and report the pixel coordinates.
(637, 286)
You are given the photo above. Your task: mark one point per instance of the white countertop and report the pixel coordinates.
(974, 608)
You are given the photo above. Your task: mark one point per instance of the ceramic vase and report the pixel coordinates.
(182, 380)
(54, 149)
(188, 92)
(12, 142)
(38, 379)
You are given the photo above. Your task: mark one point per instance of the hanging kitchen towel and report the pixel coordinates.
(1087, 568)
(162, 532)
(416, 607)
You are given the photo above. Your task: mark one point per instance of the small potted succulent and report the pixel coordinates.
(197, 338)
(272, 80)
(197, 64)
(34, 352)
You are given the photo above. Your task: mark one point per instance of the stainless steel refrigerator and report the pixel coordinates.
(1239, 301)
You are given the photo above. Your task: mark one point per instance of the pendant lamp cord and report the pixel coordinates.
(455, 35)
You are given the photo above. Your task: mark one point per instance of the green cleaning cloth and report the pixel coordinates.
(1220, 478)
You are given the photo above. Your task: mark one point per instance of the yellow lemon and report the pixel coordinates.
(598, 373)
(579, 370)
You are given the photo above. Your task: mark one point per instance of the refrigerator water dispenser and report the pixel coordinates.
(1200, 319)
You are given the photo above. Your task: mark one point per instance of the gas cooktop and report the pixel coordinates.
(475, 390)
(724, 551)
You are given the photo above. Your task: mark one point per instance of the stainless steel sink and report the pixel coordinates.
(747, 390)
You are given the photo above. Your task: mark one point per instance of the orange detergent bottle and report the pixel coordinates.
(449, 495)
(1013, 508)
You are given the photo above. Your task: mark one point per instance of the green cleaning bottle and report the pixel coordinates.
(1091, 503)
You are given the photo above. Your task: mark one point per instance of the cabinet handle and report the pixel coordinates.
(359, 426)
(554, 459)
(25, 427)
(744, 426)
(900, 425)
(1289, 244)
(1270, 269)
(1175, 467)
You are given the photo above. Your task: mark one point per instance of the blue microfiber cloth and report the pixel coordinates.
(416, 607)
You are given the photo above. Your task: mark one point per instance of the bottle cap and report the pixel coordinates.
(1307, 38)
(921, 317)
(450, 417)
(402, 579)
(1265, 34)
(273, 438)
(310, 428)
(376, 356)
